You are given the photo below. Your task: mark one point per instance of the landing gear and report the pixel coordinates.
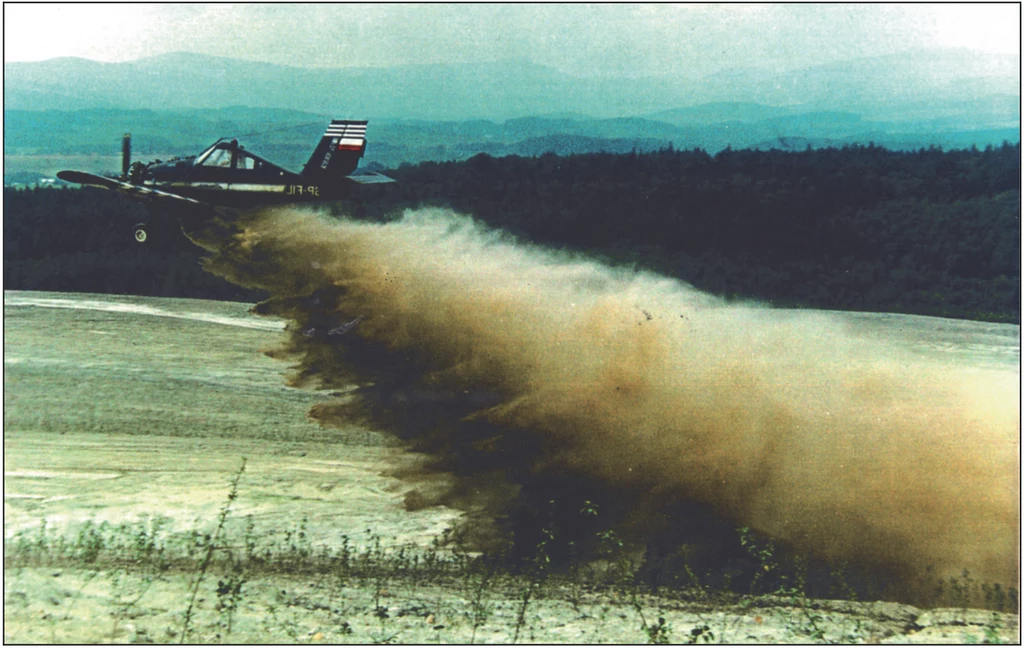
(140, 232)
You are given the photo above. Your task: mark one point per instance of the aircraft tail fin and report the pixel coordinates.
(339, 150)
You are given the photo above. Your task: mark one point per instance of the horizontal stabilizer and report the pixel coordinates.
(371, 178)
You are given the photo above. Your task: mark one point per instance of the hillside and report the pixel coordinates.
(38, 143)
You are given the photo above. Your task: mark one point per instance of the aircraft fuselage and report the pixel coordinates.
(266, 183)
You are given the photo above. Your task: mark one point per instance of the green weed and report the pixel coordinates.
(211, 547)
(137, 555)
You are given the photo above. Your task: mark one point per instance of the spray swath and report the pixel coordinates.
(531, 380)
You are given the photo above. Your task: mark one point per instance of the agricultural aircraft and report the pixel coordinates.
(226, 177)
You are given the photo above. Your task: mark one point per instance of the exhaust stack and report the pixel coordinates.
(126, 155)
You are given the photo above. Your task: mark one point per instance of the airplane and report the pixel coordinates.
(226, 177)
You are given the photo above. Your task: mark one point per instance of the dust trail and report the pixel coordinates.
(520, 371)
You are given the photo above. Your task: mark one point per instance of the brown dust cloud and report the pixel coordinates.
(529, 380)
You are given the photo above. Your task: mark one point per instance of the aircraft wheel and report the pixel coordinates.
(140, 232)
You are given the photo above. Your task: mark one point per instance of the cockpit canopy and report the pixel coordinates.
(227, 154)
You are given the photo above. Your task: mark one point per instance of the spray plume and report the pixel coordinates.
(524, 375)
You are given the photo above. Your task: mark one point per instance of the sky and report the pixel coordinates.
(579, 39)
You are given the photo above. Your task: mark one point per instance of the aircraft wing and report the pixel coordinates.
(135, 191)
(84, 178)
(372, 178)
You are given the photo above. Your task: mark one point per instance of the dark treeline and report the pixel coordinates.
(861, 228)
(864, 228)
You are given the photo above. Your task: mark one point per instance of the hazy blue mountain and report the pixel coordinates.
(176, 104)
(181, 81)
(872, 85)
(505, 90)
(723, 111)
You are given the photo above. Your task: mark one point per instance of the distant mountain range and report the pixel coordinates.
(874, 87)
(178, 103)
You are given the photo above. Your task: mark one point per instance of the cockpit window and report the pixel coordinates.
(226, 155)
(244, 161)
(218, 158)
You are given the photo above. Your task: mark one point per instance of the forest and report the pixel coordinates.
(864, 228)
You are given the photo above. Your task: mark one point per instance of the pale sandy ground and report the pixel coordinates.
(117, 409)
(75, 606)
